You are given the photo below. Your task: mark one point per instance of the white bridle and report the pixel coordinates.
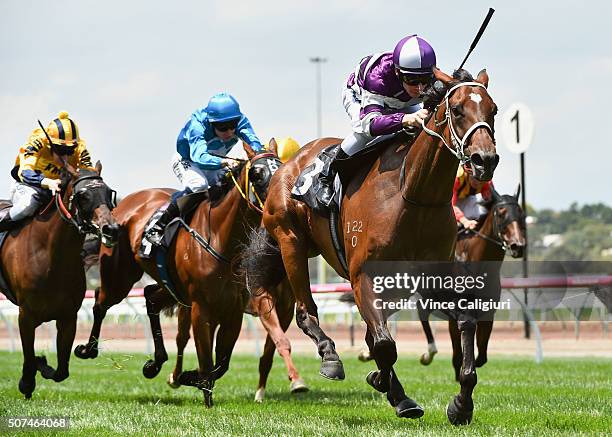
(458, 143)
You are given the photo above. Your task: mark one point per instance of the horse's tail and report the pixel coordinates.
(261, 263)
(90, 253)
(171, 311)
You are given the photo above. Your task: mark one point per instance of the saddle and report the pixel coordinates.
(307, 183)
(4, 288)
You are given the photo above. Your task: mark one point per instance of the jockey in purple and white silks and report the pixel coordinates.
(383, 96)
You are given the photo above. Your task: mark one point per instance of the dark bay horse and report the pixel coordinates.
(501, 231)
(275, 314)
(42, 265)
(203, 278)
(397, 209)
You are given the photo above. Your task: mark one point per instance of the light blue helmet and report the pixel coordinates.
(223, 107)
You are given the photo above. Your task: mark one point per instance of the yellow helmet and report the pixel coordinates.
(63, 131)
(287, 147)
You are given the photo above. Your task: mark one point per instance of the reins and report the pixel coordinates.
(249, 187)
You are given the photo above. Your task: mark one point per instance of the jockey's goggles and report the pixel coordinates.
(64, 149)
(411, 80)
(224, 126)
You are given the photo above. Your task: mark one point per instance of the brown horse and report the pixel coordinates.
(43, 267)
(411, 188)
(199, 269)
(501, 231)
(275, 316)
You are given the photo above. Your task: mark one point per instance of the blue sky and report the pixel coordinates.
(130, 73)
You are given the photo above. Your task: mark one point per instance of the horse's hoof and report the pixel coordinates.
(259, 395)
(409, 409)
(378, 386)
(27, 388)
(150, 369)
(298, 386)
(83, 351)
(332, 370)
(480, 361)
(426, 358)
(365, 356)
(45, 370)
(456, 415)
(173, 382)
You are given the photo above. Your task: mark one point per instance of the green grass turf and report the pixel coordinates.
(514, 396)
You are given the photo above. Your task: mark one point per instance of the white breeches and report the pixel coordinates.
(471, 207)
(24, 201)
(192, 177)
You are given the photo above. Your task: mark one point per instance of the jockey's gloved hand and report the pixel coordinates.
(415, 119)
(51, 184)
(468, 224)
(229, 163)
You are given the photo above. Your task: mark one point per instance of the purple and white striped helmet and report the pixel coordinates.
(414, 55)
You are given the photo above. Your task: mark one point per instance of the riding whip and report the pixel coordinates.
(478, 35)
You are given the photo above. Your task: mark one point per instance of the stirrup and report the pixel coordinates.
(155, 235)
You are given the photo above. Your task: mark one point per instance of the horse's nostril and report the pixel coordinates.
(477, 159)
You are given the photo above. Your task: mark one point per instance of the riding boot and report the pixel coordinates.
(155, 233)
(325, 194)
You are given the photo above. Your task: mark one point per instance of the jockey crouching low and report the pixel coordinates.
(383, 96)
(468, 195)
(38, 167)
(211, 132)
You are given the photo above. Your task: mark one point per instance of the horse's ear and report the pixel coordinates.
(99, 167)
(483, 78)
(249, 150)
(441, 76)
(518, 191)
(272, 146)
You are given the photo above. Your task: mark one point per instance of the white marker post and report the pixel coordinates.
(517, 131)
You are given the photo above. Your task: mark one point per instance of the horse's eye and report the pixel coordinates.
(457, 110)
(494, 113)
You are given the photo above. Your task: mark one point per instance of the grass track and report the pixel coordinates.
(513, 397)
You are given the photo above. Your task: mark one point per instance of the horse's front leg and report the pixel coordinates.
(156, 298)
(461, 407)
(182, 337)
(27, 328)
(483, 334)
(383, 349)
(90, 349)
(66, 330)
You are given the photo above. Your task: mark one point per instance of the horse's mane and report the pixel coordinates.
(434, 93)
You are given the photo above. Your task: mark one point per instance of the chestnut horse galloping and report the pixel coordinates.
(503, 230)
(275, 314)
(42, 266)
(202, 278)
(397, 209)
